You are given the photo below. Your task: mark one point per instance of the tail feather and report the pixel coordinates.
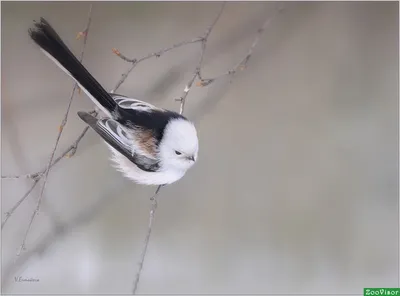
(53, 46)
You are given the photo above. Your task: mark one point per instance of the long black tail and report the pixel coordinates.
(50, 42)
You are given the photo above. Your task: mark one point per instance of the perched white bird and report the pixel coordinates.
(149, 145)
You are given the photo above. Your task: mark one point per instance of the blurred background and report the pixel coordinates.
(296, 188)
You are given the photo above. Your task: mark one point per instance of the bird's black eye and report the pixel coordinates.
(177, 152)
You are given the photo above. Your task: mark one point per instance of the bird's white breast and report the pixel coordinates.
(131, 171)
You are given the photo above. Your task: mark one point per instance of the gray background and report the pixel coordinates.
(296, 186)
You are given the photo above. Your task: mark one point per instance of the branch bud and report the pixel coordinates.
(116, 51)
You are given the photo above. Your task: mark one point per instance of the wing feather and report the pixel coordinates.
(148, 118)
(114, 134)
(134, 104)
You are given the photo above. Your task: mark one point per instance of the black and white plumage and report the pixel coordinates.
(149, 145)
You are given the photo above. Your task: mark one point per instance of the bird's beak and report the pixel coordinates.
(191, 158)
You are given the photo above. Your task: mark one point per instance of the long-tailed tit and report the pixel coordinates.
(149, 145)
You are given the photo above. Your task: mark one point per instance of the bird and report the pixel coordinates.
(149, 145)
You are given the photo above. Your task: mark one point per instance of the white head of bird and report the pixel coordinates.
(179, 147)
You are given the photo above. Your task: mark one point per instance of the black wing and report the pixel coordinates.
(112, 132)
(136, 113)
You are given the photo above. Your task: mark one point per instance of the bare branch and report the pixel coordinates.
(37, 176)
(12, 210)
(204, 40)
(64, 122)
(211, 27)
(156, 54)
(28, 176)
(123, 77)
(243, 62)
(197, 70)
(159, 53)
(146, 240)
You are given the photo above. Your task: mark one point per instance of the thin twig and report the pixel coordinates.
(197, 70)
(123, 77)
(156, 54)
(204, 40)
(146, 240)
(64, 122)
(12, 210)
(28, 176)
(159, 53)
(37, 176)
(243, 62)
